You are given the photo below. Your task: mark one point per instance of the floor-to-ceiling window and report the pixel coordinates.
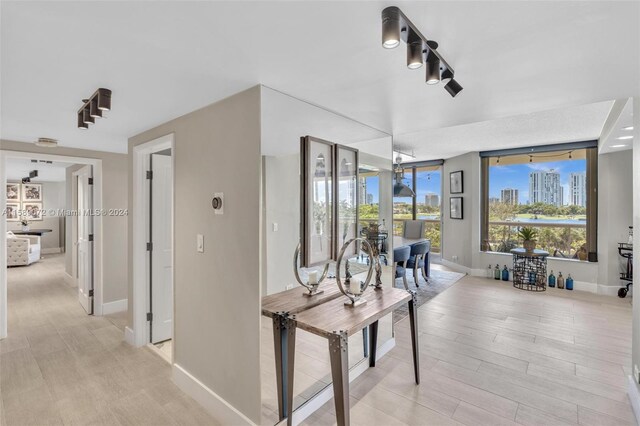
(551, 190)
(426, 182)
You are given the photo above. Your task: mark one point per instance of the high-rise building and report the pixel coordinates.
(432, 199)
(545, 187)
(362, 191)
(578, 189)
(509, 196)
(369, 198)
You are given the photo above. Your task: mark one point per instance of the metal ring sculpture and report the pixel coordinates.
(311, 287)
(354, 298)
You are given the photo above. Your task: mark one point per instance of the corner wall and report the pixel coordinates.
(216, 293)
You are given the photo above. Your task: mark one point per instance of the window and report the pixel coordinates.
(551, 189)
(368, 195)
(425, 180)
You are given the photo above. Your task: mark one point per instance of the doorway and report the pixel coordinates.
(83, 236)
(153, 207)
(91, 296)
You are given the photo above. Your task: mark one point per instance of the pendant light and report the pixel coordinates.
(399, 188)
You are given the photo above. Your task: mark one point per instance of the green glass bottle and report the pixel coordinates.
(496, 273)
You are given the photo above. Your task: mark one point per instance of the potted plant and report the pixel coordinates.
(528, 235)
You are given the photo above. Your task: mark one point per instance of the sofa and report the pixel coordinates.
(22, 250)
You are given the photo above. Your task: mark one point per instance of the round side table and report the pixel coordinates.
(530, 269)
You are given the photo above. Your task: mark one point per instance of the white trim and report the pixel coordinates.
(97, 226)
(634, 397)
(52, 250)
(115, 306)
(71, 282)
(128, 335)
(140, 230)
(220, 409)
(325, 395)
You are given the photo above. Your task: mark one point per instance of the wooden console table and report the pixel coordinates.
(279, 307)
(336, 322)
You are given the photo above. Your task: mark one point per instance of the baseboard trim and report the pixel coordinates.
(52, 250)
(634, 397)
(220, 409)
(456, 266)
(115, 306)
(69, 280)
(129, 337)
(325, 395)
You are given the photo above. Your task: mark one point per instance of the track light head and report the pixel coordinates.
(414, 55)
(433, 69)
(104, 99)
(94, 111)
(81, 123)
(86, 116)
(390, 27)
(453, 88)
(446, 75)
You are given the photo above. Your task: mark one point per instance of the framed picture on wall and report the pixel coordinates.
(317, 163)
(455, 181)
(31, 192)
(13, 192)
(12, 212)
(455, 207)
(33, 211)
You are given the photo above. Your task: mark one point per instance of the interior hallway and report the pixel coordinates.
(61, 366)
(494, 355)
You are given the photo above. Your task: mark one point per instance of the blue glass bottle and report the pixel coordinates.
(552, 279)
(505, 273)
(569, 283)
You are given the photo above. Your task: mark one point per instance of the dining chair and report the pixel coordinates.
(413, 229)
(400, 257)
(418, 259)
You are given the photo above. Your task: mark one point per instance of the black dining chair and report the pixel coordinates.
(418, 259)
(400, 257)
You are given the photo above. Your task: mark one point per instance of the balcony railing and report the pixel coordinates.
(559, 239)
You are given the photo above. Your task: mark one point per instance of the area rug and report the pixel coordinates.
(439, 281)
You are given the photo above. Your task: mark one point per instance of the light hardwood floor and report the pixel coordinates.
(61, 366)
(494, 355)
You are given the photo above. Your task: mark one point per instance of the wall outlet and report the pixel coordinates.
(200, 243)
(289, 287)
(454, 259)
(275, 227)
(636, 373)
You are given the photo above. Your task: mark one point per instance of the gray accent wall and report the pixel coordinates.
(216, 293)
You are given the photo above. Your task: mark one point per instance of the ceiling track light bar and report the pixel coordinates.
(93, 107)
(395, 27)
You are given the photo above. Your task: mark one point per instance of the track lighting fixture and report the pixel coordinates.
(46, 143)
(395, 27)
(93, 107)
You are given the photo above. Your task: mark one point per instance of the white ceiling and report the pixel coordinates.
(164, 59)
(17, 168)
(620, 136)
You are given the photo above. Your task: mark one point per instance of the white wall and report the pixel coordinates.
(53, 194)
(216, 293)
(636, 235)
(461, 237)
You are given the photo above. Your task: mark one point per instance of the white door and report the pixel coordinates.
(161, 282)
(85, 238)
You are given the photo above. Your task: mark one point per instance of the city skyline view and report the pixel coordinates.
(516, 176)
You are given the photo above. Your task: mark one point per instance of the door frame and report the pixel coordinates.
(141, 216)
(97, 226)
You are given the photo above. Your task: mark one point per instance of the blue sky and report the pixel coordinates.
(517, 176)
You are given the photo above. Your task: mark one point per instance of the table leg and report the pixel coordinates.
(279, 347)
(339, 353)
(365, 342)
(373, 343)
(413, 318)
(290, 343)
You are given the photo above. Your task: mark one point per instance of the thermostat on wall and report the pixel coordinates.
(218, 203)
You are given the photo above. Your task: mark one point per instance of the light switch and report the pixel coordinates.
(275, 227)
(200, 243)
